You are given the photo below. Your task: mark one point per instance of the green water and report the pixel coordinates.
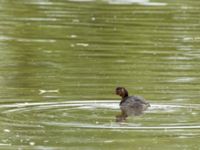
(61, 60)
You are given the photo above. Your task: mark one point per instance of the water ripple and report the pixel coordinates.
(99, 114)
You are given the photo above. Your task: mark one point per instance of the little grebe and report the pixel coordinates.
(130, 105)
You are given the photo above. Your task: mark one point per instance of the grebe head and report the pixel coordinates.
(121, 91)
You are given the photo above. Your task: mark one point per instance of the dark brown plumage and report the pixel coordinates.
(130, 105)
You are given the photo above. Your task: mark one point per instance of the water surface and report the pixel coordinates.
(60, 62)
